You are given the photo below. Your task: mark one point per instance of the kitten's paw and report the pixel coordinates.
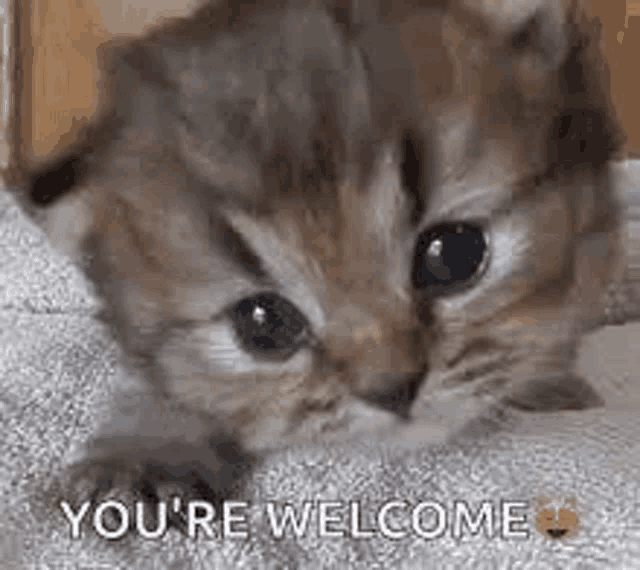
(85, 484)
(131, 470)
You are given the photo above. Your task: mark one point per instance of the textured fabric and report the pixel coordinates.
(58, 373)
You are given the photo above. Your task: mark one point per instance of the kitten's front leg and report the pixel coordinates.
(158, 454)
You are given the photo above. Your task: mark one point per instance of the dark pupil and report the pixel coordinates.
(268, 325)
(447, 256)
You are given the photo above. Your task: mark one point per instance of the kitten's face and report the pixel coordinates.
(292, 218)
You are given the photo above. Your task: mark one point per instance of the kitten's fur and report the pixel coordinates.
(302, 150)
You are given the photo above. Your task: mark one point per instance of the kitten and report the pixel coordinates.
(318, 219)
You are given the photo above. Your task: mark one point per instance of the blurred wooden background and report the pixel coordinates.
(60, 67)
(60, 38)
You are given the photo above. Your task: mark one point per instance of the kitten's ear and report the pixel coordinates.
(586, 131)
(41, 185)
(550, 394)
(51, 181)
(555, 384)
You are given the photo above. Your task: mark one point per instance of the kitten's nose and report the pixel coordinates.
(381, 351)
(393, 391)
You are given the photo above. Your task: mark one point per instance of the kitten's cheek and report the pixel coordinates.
(210, 372)
(67, 224)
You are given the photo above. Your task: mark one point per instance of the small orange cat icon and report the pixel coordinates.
(556, 518)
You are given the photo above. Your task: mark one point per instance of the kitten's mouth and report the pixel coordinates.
(350, 420)
(407, 414)
(454, 397)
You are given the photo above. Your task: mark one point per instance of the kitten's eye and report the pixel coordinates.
(449, 257)
(526, 37)
(269, 326)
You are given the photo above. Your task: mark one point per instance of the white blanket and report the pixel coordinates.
(57, 375)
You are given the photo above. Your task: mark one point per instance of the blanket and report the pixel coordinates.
(557, 491)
